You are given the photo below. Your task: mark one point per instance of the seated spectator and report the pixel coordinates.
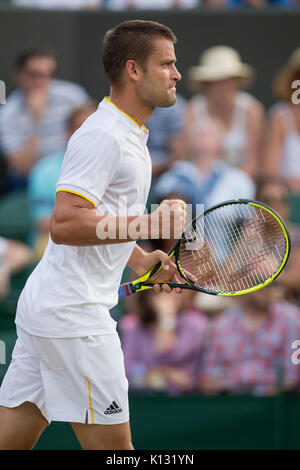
(250, 3)
(165, 125)
(14, 256)
(57, 4)
(33, 120)
(205, 178)
(151, 4)
(283, 140)
(3, 168)
(42, 183)
(217, 81)
(261, 3)
(275, 192)
(249, 350)
(162, 342)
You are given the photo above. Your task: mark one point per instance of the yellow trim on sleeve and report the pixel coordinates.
(90, 400)
(107, 98)
(77, 194)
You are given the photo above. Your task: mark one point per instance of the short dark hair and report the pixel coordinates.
(35, 51)
(133, 40)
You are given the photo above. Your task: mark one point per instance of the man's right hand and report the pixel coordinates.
(168, 220)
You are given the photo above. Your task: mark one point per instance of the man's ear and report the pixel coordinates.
(133, 69)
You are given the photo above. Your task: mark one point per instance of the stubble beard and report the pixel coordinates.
(156, 99)
(165, 101)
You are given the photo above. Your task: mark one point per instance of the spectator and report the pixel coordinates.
(3, 168)
(42, 182)
(275, 192)
(283, 141)
(261, 3)
(33, 120)
(165, 125)
(57, 4)
(249, 351)
(151, 4)
(217, 81)
(162, 342)
(205, 178)
(14, 256)
(251, 3)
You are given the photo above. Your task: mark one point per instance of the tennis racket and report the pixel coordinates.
(234, 248)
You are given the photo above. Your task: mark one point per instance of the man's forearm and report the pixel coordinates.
(136, 260)
(82, 227)
(74, 223)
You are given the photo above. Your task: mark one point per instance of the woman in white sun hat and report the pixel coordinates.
(282, 152)
(217, 81)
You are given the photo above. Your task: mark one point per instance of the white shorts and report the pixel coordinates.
(69, 379)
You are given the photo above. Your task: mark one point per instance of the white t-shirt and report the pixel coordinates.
(70, 292)
(236, 137)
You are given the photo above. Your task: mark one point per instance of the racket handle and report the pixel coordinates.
(126, 289)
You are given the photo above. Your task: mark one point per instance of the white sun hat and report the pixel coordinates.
(219, 63)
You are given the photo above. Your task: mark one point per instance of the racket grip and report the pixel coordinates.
(126, 289)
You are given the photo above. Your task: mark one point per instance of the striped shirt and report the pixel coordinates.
(17, 124)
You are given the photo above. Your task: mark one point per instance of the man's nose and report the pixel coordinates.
(177, 75)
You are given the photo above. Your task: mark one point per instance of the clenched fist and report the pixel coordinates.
(168, 220)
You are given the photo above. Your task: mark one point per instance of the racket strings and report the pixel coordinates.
(238, 247)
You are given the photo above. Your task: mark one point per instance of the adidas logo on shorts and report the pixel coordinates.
(113, 409)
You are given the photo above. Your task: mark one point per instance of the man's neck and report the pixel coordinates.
(130, 104)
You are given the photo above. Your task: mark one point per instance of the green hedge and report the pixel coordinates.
(202, 423)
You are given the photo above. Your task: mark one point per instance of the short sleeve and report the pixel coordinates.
(91, 162)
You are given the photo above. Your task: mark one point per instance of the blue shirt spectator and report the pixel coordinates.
(205, 178)
(63, 97)
(41, 186)
(33, 122)
(164, 125)
(223, 183)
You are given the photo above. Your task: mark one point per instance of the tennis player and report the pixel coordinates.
(67, 364)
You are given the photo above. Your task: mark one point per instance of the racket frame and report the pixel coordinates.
(142, 284)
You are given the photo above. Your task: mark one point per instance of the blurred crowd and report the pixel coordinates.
(221, 144)
(121, 5)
